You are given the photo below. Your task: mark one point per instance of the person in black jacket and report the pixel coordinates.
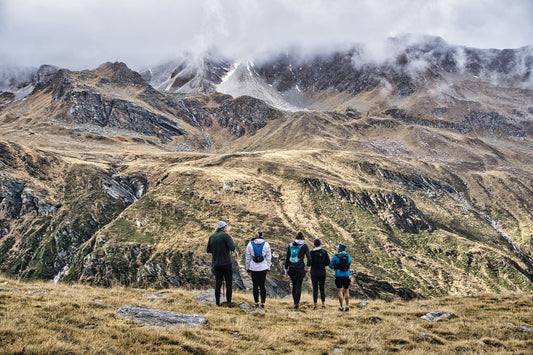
(220, 245)
(319, 261)
(295, 266)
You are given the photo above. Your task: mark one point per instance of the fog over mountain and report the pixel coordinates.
(83, 34)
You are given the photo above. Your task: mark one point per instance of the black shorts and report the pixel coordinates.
(342, 282)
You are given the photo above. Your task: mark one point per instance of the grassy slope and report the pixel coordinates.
(55, 323)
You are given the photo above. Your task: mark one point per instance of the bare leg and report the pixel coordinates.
(346, 297)
(340, 295)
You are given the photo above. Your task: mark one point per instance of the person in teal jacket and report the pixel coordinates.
(341, 262)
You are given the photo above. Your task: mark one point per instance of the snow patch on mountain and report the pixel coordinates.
(242, 79)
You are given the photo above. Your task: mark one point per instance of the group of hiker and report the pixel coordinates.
(259, 261)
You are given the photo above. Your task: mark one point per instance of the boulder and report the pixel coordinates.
(157, 318)
(155, 295)
(245, 307)
(208, 296)
(436, 316)
(38, 292)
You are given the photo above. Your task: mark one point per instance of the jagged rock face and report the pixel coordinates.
(491, 123)
(90, 199)
(245, 114)
(189, 75)
(18, 83)
(411, 66)
(335, 72)
(44, 74)
(119, 73)
(89, 107)
(105, 264)
(16, 197)
(6, 98)
(370, 287)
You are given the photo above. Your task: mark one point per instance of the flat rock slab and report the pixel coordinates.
(436, 316)
(208, 296)
(155, 295)
(157, 318)
(8, 289)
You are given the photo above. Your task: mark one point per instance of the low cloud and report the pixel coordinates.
(83, 34)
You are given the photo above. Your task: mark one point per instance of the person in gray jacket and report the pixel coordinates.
(220, 245)
(258, 263)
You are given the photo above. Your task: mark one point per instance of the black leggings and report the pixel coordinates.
(318, 281)
(259, 280)
(297, 278)
(223, 272)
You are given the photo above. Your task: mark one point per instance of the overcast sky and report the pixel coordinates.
(81, 34)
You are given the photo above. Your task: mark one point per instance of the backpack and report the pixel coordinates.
(258, 252)
(343, 264)
(294, 250)
(319, 259)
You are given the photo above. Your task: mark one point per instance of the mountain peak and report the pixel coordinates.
(120, 73)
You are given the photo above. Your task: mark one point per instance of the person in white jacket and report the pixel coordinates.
(258, 263)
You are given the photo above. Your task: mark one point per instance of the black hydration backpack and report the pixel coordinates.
(343, 264)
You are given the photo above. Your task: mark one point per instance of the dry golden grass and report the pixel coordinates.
(82, 319)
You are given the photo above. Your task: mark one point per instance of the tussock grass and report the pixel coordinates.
(82, 319)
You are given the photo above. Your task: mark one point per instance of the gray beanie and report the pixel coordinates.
(221, 225)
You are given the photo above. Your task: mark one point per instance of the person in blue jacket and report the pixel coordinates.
(341, 263)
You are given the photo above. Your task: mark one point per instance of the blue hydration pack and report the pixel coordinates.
(258, 252)
(295, 250)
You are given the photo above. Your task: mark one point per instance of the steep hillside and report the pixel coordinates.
(424, 174)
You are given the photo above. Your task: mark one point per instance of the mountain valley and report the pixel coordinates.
(422, 165)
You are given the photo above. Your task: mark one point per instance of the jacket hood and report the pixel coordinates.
(258, 241)
(299, 242)
(317, 248)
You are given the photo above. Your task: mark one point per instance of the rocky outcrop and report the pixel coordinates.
(17, 199)
(104, 264)
(245, 114)
(20, 82)
(491, 123)
(368, 286)
(393, 208)
(87, 107)
(6, 98)
(46, 246)
(416, 61)
(328, 72)
(119, 74)
(44, 75)
(189, 75)
(409, 181)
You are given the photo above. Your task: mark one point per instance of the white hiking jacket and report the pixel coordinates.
(267, 255)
